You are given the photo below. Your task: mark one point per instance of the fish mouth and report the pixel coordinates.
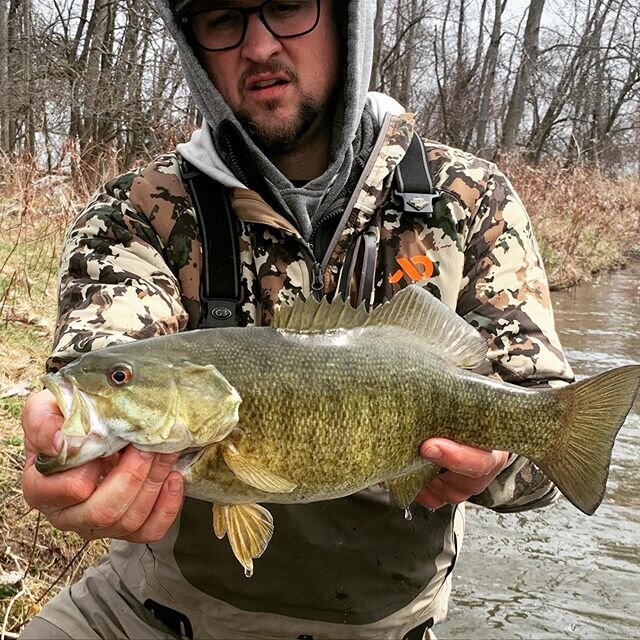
(84, 435)
(62, 390)
(47, 465)
(77, 407)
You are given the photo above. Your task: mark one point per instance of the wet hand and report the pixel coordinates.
(467, 472)
(132, 495)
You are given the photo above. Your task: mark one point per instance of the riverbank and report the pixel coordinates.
(585, 223)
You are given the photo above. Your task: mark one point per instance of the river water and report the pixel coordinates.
(556, 573)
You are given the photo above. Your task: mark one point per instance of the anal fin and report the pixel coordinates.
(249, 528)
(404, 489)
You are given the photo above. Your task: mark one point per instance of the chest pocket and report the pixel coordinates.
(423, 249)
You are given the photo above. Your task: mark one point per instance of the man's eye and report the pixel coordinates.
(286, 8)
(219, 19)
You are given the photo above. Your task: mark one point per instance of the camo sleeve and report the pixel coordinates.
(505, 295)
(114, 283)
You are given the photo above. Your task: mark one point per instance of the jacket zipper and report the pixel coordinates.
(318, 267)
(317, 279)
(315, 271)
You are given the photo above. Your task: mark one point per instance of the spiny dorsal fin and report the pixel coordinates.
(443, 330)
(310, 316)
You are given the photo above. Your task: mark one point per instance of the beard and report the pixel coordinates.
(273, 137)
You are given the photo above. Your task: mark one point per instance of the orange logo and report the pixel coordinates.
(408, 268)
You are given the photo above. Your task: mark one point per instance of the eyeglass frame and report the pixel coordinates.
(245, 13)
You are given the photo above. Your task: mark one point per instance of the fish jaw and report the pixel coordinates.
(78, 451)
(85, 436)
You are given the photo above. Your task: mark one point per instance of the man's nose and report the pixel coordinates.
(259, 43)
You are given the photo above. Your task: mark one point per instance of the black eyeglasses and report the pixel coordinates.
(225, 27)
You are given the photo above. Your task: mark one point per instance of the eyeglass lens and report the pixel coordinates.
(224, 28)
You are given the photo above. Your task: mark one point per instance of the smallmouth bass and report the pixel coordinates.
(327, 401)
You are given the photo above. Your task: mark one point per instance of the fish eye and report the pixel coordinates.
(120, 375)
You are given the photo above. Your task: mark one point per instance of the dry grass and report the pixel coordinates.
(584, 222)
(36, 560)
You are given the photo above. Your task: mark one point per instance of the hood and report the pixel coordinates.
(352, 130)
(201, 151)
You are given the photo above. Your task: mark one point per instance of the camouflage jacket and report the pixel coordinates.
(131, 269)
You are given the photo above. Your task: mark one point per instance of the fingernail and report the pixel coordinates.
(175, 486)
(146, 455)
(58, 441)
(432, 452)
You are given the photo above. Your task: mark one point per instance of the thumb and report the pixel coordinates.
(41, 423)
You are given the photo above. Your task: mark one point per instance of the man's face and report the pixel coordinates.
(279, 89)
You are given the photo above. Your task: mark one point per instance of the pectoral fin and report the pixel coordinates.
(252, 474)
(249, 527)
(404, 490)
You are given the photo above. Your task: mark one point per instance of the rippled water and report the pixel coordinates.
(556, 573)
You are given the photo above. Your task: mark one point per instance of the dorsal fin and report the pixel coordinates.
(311, 316)
(443, 330)
(414, 309)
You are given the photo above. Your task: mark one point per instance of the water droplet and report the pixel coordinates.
(407, 514)
(248, 573)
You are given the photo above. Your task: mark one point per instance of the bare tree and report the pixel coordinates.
(522, 86)
(87, 79)
(488, 78)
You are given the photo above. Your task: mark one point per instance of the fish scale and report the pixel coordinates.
(380, 414)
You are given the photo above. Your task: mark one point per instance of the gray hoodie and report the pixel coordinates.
(353, 132)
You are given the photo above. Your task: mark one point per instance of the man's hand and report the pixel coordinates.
(132, 495)
(469, 471)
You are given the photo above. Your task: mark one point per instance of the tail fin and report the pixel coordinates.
(598, 407)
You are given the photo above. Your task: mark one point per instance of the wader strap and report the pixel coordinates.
(220, 282)
(362, 256)
(417, 633)
(176, 621)
(413, 184)
(414, 190)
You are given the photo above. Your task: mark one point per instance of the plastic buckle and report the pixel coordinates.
(416, 202)
(219, 313)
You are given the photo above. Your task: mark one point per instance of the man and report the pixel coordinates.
(308, 161)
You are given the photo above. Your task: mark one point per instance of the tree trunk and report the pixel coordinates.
(410, 43)
(378, 41)
(526, 70)
(30, 89)
(488, 76)
(4, 79)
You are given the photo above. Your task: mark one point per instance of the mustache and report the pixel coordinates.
(274, 66)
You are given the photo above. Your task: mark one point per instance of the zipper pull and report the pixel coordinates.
(317, 280)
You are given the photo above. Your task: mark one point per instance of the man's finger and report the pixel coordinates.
(164, 512)
(61, 490)
(451, 488)
(113, 496)
(145, 502)
(463, 459)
